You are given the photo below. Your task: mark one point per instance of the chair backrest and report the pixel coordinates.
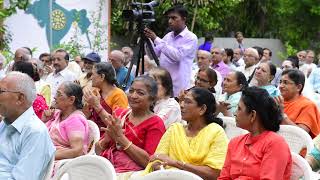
(49, 169)
(87, 167)
(300, 168)
(231, 128)
(171, 174)
(297, 138)
(94, 136)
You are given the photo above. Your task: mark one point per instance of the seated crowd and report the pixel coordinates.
(168, 117)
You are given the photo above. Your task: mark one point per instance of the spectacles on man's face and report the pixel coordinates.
(202, 80)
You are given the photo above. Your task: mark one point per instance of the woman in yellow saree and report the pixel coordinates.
(199, 147)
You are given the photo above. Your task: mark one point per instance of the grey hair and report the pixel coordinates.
(217, 47)
(207, 53)
(24, 84)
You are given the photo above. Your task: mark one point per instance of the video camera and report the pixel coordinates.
(140, 12)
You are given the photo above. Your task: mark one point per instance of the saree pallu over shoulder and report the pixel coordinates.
(207, 148)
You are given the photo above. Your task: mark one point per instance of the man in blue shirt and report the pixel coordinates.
(26, 148)
(117, 59)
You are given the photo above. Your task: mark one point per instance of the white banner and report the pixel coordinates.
(48, 24)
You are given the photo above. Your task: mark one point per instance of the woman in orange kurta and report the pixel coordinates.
(108, 98)
(298, 109)
(262, 153)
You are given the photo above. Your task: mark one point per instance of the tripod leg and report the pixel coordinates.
(142, 53)
(150, 47)
(124, 85)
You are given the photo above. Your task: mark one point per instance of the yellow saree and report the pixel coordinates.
(207, 148)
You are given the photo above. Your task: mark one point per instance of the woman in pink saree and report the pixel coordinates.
(67, 125)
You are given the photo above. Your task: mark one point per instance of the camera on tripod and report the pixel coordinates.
(140, 12)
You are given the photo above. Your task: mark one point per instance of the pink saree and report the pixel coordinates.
(74, 125)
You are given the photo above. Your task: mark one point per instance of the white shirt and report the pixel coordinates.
(26, 148)
(168, 110)
(74, 68)
(56, 79)
(247, 71)
(307, 68)
(240, 62)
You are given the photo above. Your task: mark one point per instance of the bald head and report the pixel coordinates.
(251, 57)
(253, 52)
(22, 54)
(116, 58)
(18, 94)
(23, 83)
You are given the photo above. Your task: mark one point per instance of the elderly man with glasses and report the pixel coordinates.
(26, 148)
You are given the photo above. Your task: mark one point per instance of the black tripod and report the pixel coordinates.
(141, 52)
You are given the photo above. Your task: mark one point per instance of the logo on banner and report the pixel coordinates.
(62, 19)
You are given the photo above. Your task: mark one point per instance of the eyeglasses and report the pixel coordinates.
(85, 62)
(59, 94)
(202, 80)
(3, 91)
(285, 82)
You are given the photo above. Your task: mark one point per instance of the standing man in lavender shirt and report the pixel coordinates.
(177, 49)
(217, 62)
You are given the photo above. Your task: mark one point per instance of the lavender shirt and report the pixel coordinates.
(176, 54)
(222, 68)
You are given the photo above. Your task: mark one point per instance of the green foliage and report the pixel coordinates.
(290, 51)
(209, 17)
(5, 12)
(99, 30)
(73, 47)
(295, 22)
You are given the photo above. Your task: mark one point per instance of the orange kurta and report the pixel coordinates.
(116, 99)
(304, 111)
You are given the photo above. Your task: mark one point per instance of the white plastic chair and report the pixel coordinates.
(94, 136)
(300, 168)
(171, 174)
(296, 138)
(48, 174)
(231, 128)
(87, 167)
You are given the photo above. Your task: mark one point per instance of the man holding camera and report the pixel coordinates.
(177, 49)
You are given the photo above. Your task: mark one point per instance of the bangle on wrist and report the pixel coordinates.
(127, 147)
(183, 165)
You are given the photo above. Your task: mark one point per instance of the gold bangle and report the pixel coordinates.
(183, 165)
(127, 147)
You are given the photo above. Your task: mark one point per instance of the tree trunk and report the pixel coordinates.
(194, 17)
